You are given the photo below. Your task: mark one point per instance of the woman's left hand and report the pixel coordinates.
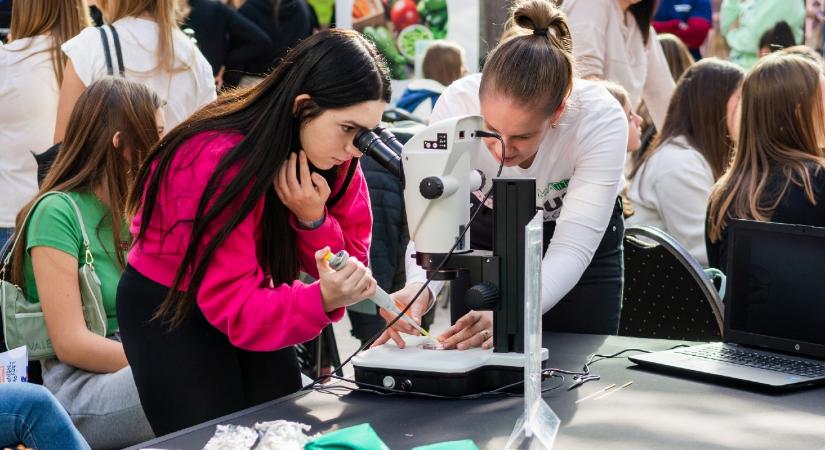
(475, 329)
(307, 197)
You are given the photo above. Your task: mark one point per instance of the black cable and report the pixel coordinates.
(548, 372)
(479, 133)
(591, 360)
(386, 392)
(553, 388)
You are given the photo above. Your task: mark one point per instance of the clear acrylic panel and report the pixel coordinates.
(538, 424)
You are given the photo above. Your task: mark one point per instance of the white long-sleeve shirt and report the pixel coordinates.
(28, 108)
(184, 90)
(608, 45)
(671, 192)
(578, 172)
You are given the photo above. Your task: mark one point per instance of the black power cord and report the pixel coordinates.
(478, 133)
(387, 392)
(594, 358)
(585, 375)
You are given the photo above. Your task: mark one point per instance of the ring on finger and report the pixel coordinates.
(485, 334)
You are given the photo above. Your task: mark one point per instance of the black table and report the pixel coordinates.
(656, 411)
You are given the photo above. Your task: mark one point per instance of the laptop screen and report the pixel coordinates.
(777, 287)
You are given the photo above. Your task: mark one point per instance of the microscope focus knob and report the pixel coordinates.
(482, 297)
(431, 188)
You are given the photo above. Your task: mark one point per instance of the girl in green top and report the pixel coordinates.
(111, 129)
(743, 22)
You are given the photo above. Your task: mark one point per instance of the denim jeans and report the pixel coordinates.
(5, 235)
(29, 414)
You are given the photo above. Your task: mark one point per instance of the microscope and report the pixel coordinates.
(436, 168)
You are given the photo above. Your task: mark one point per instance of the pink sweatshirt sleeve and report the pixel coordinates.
(236, 298)
(236, 295)
(348, 226)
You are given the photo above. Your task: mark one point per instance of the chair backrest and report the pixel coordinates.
(666, 293)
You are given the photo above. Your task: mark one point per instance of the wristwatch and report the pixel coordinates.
(315, 224)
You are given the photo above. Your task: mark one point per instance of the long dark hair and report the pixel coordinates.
(781, 121)
(697, 113)
(643, 12)
(337, 69)
(88, 159)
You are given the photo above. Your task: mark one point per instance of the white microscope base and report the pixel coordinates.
(442, 372)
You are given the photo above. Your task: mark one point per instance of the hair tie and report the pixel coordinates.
(540, 32)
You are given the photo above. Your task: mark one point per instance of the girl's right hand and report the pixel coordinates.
(351, 284)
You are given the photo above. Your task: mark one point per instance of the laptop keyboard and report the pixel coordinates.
(757, 360)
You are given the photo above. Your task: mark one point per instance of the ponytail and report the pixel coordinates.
(538, 38)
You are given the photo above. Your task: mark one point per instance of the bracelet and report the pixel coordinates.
(314, 225)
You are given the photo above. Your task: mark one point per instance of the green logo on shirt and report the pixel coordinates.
(557, 186)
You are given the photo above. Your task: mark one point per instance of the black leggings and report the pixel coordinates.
(192, 373)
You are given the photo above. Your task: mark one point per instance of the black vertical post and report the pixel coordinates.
(514, 206)
(458, 287)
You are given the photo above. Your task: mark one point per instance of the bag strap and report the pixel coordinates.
(89, 259)
(104, 39)
(121, 68)
(106, 54)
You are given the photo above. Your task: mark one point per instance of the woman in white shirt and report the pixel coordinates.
(155, 53)
(670, 185)
(31, 70)
(613, 40)
(570, 135)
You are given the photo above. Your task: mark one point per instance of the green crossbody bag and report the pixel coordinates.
(23, 321)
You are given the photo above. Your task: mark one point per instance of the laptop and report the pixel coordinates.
(774, 327)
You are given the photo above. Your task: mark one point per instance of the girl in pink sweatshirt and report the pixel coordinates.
(231, 205)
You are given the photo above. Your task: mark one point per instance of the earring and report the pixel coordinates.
(553, 125)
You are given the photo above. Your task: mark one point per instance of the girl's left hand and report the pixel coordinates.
(307, 197)
(475, 329)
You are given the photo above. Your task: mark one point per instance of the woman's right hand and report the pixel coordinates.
(343, 287)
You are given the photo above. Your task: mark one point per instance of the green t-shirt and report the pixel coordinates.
(53, 223)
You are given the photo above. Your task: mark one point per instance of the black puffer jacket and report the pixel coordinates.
(294, 21)
(389, 228)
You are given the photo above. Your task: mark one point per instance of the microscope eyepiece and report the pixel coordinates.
(388, 138)
(383, 148)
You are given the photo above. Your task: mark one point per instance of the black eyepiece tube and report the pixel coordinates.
(371, 144)
(388, 138)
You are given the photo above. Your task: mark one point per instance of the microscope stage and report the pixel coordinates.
(442, 372)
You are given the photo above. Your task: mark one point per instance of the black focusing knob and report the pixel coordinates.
(431, 188)
(482, 297)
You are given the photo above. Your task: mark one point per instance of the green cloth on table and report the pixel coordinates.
(452, 445)
(359, 437)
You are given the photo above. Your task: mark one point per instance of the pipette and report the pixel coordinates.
(381, 298)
